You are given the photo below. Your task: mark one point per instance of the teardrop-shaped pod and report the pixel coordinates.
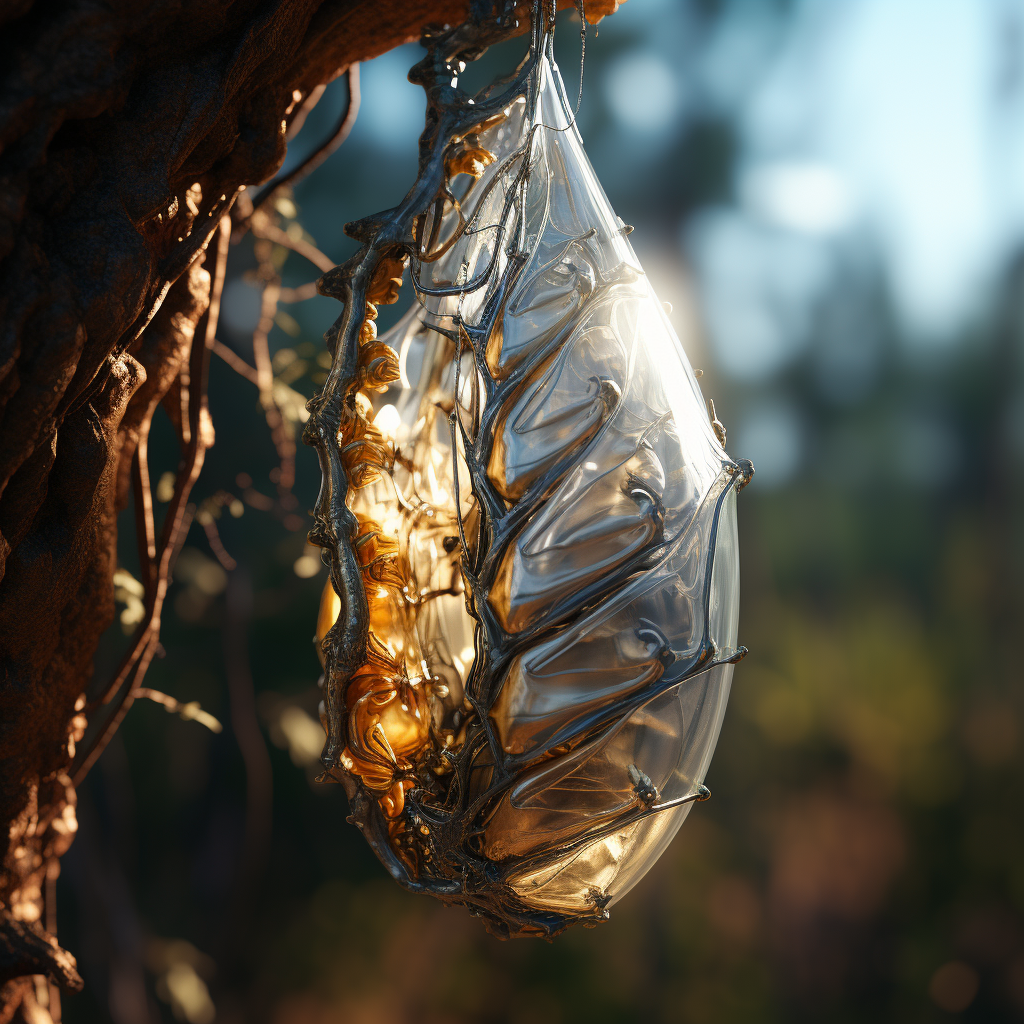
(545, 529)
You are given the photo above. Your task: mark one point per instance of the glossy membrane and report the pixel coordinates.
(592, 503)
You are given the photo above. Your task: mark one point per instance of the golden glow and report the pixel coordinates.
(388, 717)
(330, 609)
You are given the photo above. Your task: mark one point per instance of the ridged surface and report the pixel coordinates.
(565, 581)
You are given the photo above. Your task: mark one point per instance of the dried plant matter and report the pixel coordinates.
(529, 630)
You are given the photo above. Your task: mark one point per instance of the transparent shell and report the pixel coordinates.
(561, 516)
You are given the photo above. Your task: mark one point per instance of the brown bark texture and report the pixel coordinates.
(126, 131)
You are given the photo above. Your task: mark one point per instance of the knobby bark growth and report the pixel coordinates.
(126, 133)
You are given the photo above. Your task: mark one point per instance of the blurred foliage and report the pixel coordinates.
(863, 856)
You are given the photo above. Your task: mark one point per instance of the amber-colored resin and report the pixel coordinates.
(388, 715)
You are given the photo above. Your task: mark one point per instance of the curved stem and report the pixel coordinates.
(339, 134)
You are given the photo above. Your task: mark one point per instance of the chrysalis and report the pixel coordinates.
(530, 628)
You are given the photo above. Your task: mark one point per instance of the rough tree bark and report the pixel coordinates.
(126, 131)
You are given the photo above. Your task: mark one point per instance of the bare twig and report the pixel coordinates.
(298, 116)
(190, 711)
(297, 245)
(261, 342)
(145, 528)
(209, 525)
(284, 444)
(300, 294)
(236, 362)
(325, 149)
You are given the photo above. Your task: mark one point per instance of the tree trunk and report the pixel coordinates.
(126, 131)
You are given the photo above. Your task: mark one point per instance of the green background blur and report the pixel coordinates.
(831, 195)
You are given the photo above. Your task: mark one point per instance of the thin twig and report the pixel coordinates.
(254, 499)
(325, 149)
(265, 382)
(209, 524)
(235, 361)
(145, 528)
(300, 294)
(190, 711)
(297, 245)
(298, 117)
(261, 342)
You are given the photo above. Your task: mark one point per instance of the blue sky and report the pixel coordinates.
(900, 120)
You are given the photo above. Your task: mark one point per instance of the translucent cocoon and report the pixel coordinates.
(554, 580)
